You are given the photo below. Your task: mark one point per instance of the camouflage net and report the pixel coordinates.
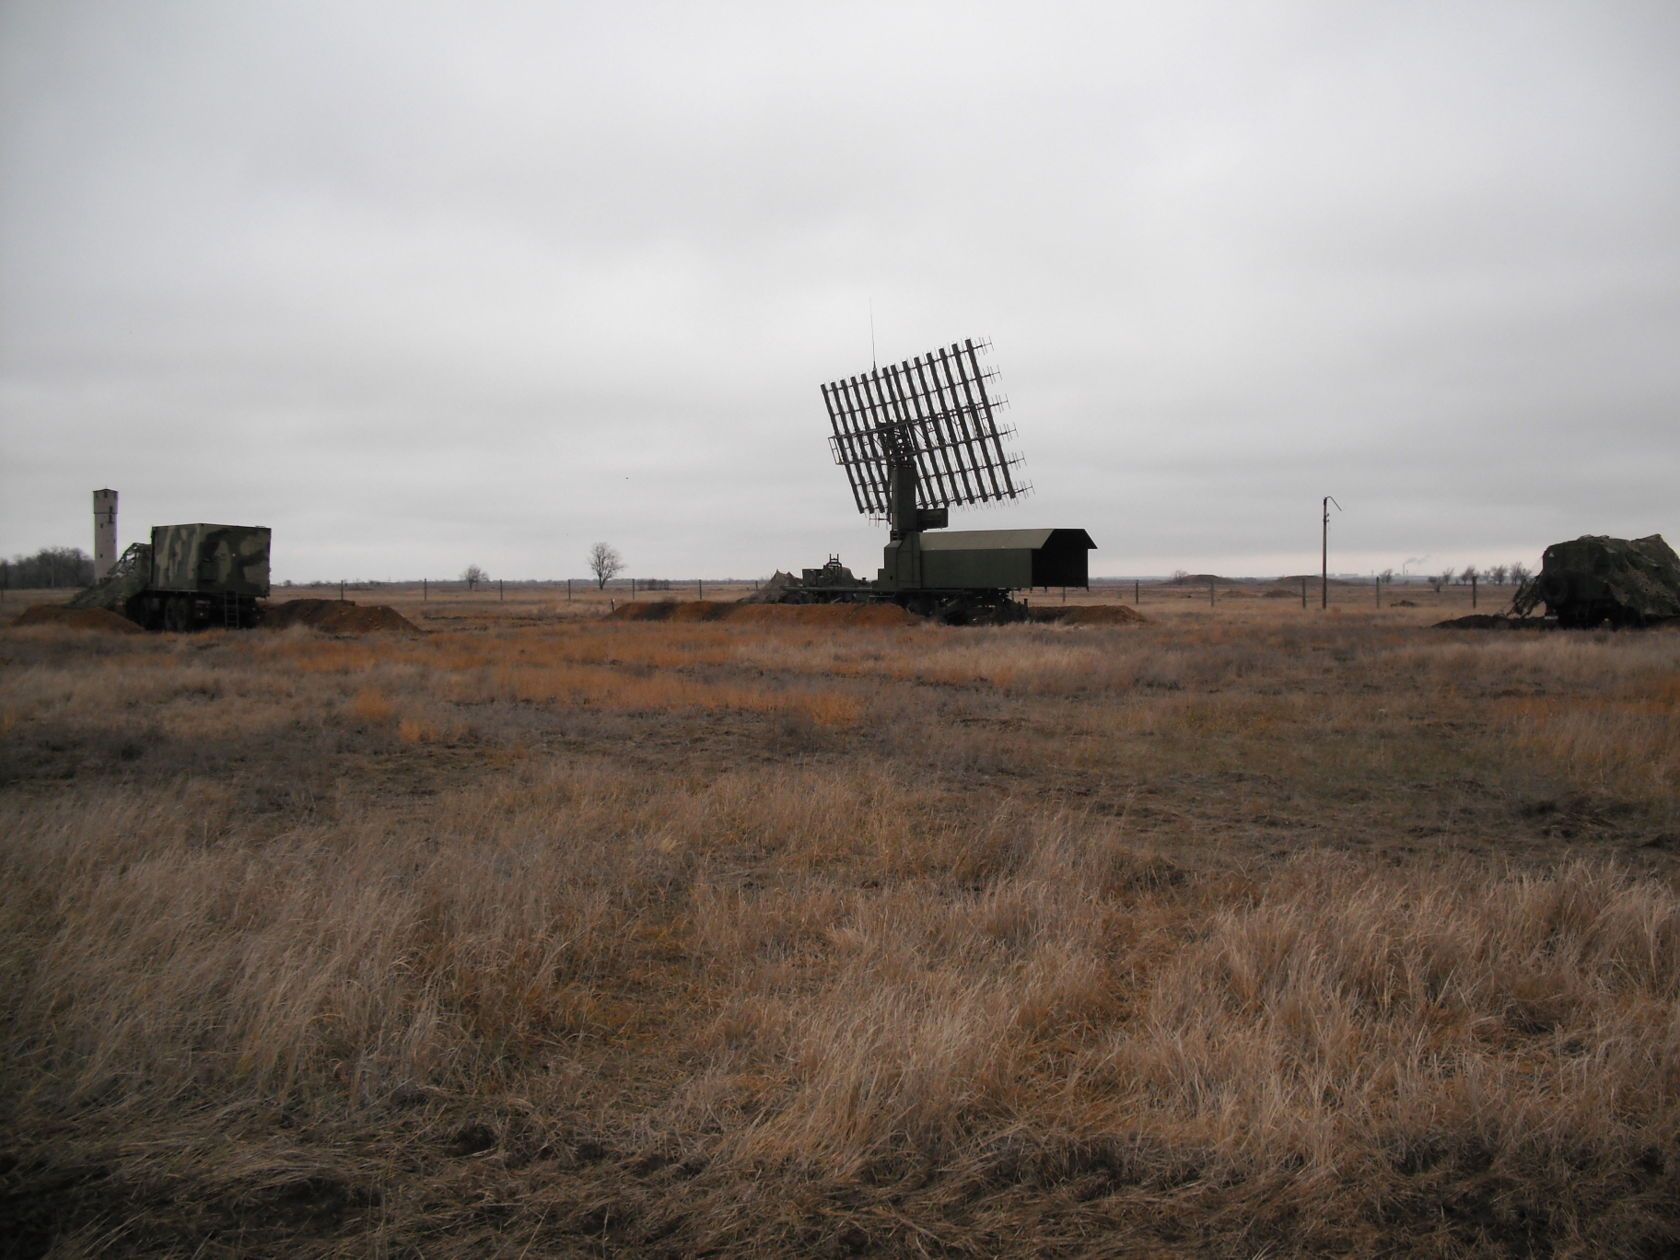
(127, 578)
(1594, 580)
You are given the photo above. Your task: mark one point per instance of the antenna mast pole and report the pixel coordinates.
(1324, 555)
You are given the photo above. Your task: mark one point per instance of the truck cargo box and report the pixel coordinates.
(206, 559)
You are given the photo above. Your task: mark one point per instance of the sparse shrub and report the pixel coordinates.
(371, 705)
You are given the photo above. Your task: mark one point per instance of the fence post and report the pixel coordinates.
(501, 590)
(1378, 587)
(568, 590)
(1303, 592)
(425, 591)
(700, 584)
(1210, 592)
(341, 590)
(632, 588)
(1472, 590)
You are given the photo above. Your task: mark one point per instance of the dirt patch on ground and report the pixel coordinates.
(882, 614)
(1490, 621)
(77, 618)
(784, 614)
(1091, 615)
(337, 616)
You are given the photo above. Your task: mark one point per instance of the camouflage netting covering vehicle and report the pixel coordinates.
(188, 576)
(1594, 580)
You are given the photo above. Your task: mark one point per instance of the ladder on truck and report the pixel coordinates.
(230, 610)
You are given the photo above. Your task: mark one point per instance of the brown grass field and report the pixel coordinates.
(1246, 931)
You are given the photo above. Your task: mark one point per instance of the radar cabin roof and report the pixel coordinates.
(1000, 539)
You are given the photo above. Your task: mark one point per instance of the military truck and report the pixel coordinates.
(188, 577)
(1595, 580)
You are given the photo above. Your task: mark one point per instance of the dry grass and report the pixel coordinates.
(1271, 935)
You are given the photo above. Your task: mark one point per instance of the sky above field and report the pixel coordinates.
(424, 285)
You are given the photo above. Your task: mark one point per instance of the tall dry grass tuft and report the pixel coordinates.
(1347, 1058)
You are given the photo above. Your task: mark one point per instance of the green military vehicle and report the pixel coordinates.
(188, 577)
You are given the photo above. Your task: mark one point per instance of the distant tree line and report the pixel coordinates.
(50, 566)
(1497, 574)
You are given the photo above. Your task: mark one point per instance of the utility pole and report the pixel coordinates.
(1324, 555)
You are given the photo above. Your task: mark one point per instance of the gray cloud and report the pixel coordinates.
(424, 285)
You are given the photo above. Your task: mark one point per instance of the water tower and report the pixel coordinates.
(104, 532)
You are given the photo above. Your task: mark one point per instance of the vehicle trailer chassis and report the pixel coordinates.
(181, 611)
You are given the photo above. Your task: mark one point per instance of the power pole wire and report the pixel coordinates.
(1324, 554)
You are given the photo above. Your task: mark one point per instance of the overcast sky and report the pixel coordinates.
(420, 285)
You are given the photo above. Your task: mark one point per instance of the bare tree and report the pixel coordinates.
(1386, 577)
(605, 563)
(1443, 578)
(472, 575)
(1497, 572)
(1520, 573)
(1468, 575)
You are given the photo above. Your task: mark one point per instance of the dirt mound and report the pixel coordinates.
(674, 610)
(880, 614)
(1091, 615)
(1489, 621)
(877, 615)
(785, 614)
(77, 619)
(337, 616)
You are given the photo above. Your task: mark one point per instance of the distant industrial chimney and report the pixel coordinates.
(104, 532)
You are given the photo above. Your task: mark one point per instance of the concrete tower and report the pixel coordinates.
(104, 532)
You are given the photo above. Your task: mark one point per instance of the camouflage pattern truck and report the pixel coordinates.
(187, 577)
(1595, 581)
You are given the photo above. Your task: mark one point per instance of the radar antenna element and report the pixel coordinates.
(921, 436)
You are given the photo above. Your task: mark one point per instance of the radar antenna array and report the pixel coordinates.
(923, 434)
